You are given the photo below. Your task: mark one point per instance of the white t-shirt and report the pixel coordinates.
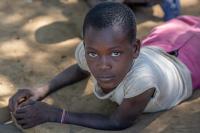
(153, 68)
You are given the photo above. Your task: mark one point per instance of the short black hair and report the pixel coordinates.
(109, 14)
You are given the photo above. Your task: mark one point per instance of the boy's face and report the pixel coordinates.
(109, 55)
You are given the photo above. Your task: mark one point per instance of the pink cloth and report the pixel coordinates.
(182, 34)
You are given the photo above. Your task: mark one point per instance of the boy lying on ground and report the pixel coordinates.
(155, 76)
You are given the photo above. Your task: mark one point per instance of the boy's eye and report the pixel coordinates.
(92, 54)
(116, 53)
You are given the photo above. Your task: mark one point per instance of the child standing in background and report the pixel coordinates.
(171, 8)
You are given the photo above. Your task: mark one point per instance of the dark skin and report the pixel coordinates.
(109, 55)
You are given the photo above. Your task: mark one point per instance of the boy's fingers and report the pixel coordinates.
(26, 103)
(22, 100)
(24, 107)
(26, 126)
(14, 105)
(10, 105)
(19, 116)
(17, 99)
(21, 122)
(33, 98)
(20, 111)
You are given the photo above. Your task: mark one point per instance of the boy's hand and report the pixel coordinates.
(33, 113)
(18, 98)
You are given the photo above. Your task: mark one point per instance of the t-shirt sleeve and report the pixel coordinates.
(139, 80)
(80, 57)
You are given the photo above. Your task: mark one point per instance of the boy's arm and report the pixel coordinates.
(123, 117)
(69, 76)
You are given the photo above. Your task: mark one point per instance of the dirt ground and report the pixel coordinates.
(37, 41)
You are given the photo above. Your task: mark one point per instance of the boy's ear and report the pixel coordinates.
(136, 49)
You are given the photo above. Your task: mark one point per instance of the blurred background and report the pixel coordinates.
(37, 41)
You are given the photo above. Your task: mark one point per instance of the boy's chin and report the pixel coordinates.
(106, 88)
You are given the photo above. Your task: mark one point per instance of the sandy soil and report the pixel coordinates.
(37, 41)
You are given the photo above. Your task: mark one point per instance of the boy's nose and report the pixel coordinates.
(104, 63)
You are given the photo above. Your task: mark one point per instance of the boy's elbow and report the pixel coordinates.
(121, 125)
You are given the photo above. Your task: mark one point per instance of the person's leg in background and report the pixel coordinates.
(92, 3)
(171, 9)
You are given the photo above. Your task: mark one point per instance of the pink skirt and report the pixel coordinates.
(180, 35)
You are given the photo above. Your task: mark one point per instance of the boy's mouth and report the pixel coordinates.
(105, 78)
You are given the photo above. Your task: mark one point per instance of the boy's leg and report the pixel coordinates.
(180, 34)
